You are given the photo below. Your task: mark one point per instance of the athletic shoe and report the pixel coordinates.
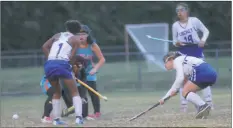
(96, 115)
(203, 111)
(79, 120)
(89, 118)
(66, 113)
(46, 120)
(58, 122)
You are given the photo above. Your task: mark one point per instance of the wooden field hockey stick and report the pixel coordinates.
(91, 89)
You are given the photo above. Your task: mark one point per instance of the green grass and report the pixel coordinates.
(120, 107)
(118, 82)
(111, 77)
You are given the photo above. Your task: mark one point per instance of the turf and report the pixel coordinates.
(121, 107)
(130, 90)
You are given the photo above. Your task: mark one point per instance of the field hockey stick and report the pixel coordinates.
(91, 89)
(169, 41)
(144, 112)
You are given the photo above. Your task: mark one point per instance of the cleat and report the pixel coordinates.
(89, 118)
(79, 120)
(203, 111)
(96, 115)
(58, 122)
(46, 120)
(66, 113)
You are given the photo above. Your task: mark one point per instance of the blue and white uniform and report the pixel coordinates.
(198, 71)
(188, 33)
(57, 65)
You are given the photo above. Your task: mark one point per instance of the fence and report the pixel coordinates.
(22, 73)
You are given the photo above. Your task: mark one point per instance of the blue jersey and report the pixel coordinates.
(45, 85)
(88, 54)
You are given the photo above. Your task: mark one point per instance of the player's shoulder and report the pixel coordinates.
(175, 24)
(194, 19)
(179, 59)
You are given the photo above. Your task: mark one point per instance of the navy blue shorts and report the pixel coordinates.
(193, 50)
(203, 75)
(55, 69)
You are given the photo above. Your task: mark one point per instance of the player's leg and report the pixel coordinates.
(207, 95)
(189, 92)
(66, 96)
(201, 77)
(206, 92)
(53, 73)
(77, 101)
(183, 102)
(95, 100)
(48, 106)
(83, 93)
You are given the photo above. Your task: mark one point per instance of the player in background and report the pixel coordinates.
(185, 30)
(87, 50)
(200, 75)
(60, 50)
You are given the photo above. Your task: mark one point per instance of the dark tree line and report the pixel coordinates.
(27, 25)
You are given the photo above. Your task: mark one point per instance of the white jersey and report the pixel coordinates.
(188, 32)
(184, 66)
(61, 49)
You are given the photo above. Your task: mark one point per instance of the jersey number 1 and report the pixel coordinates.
(188, 39)
(60, 45)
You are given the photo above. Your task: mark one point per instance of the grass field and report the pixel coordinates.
(113, 81)
(120, 107)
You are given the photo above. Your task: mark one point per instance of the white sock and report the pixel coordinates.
(207, 95)
(77, 102)
(183, 101)
(195, 99)
(56, 108)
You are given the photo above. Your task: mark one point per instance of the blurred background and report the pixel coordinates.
(25, 26)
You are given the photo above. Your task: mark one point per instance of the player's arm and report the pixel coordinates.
(202, 28)
(75, 44)
(98, 53)
(48, 44)
(175, 35)
(179, 78)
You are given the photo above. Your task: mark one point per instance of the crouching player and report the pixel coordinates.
(200, 75)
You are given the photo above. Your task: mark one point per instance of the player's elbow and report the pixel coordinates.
(103, 60)
(44, 47)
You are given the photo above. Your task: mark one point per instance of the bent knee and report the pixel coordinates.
(185, 93)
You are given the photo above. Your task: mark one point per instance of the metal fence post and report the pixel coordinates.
(139, 87)
(216, 57)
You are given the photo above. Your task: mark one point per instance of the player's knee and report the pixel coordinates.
(185, 93)
(57, 95)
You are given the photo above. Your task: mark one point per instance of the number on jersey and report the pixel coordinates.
(186, 62)
(60, 46)
(189, 39)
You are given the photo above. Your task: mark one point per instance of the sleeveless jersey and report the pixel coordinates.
(61, 49)
(88, 54)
